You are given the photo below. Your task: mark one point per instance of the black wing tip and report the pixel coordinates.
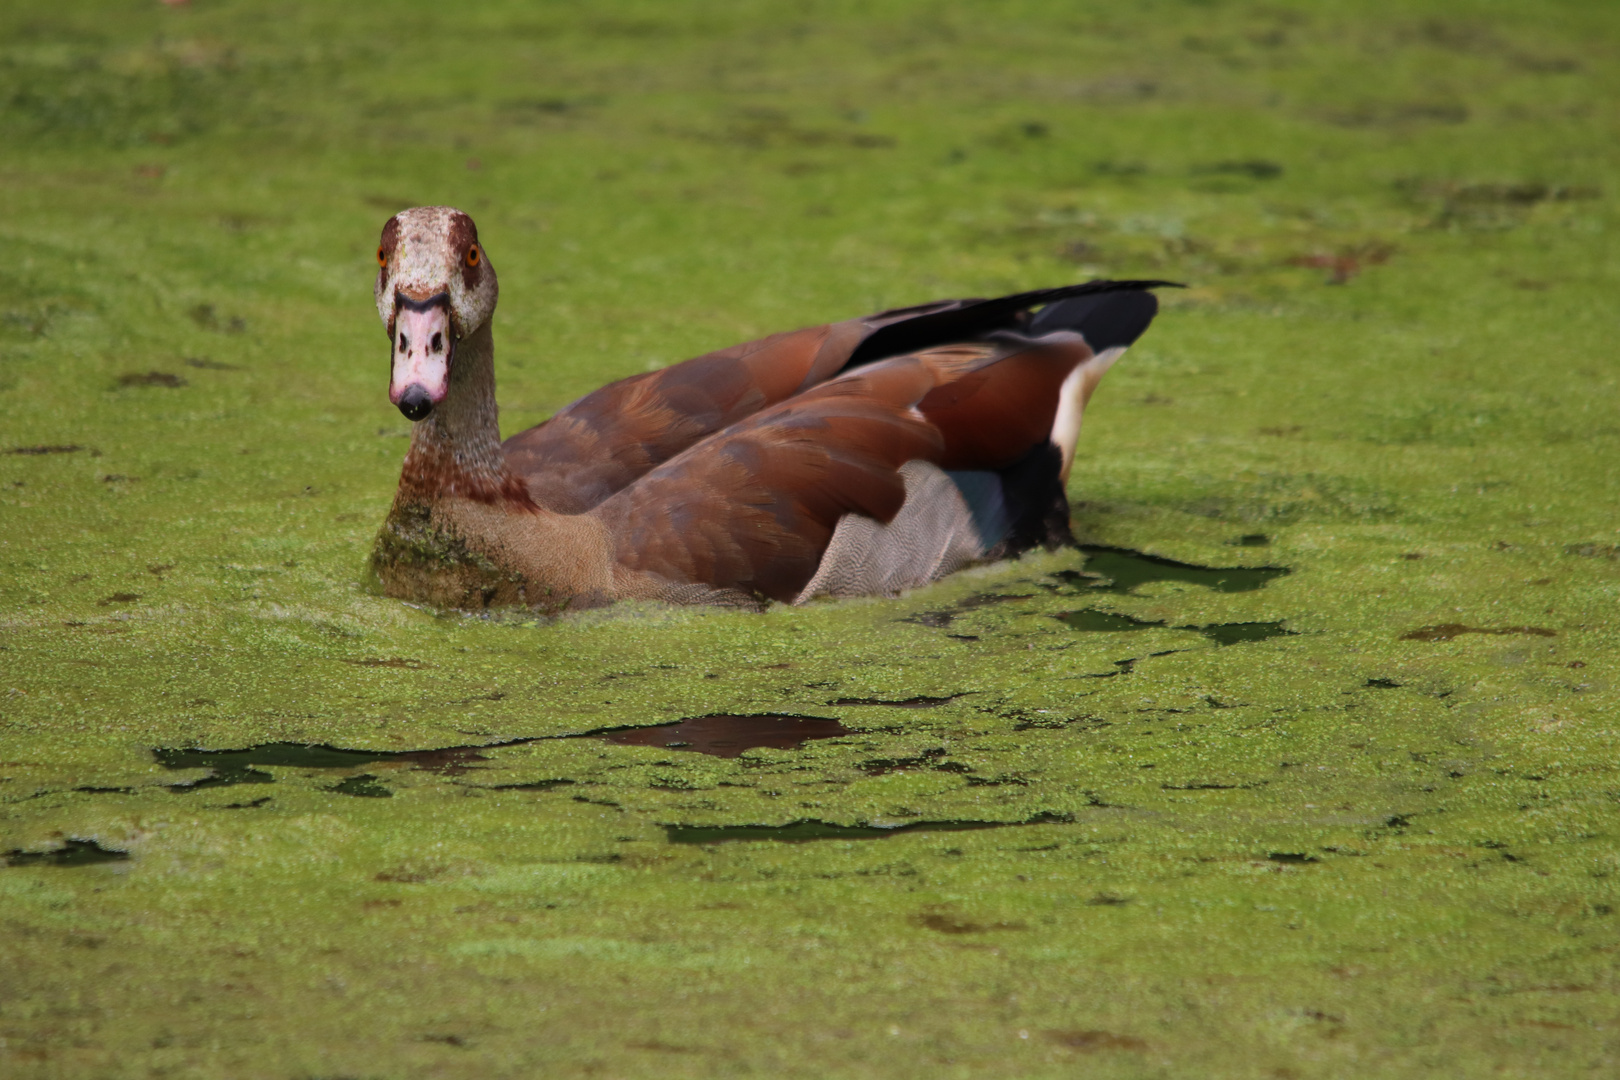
(1096, 285)
(1112, 316)
(977, 320)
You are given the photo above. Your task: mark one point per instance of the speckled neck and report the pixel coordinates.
(456, 451)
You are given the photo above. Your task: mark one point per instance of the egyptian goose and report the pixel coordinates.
(858, 458)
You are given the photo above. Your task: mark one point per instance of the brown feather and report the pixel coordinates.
(992, 415)
(754, 507)
(608, 438)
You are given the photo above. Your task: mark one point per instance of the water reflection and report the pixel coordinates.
(728, 735)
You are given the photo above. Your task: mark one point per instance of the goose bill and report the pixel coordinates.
(423, 345)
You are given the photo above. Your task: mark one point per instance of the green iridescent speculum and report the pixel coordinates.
(1044, 817)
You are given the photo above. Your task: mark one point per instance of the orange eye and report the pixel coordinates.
(472, 255)
(382, 257)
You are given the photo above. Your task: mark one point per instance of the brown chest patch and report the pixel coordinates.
(431, 474)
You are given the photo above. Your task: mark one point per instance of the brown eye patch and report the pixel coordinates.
(389, 241)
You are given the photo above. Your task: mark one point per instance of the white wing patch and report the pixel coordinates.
(1072, 399)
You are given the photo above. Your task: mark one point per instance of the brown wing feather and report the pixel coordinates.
(608, 438)
(754, 507)
(992, 414)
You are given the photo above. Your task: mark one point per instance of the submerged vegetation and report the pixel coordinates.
(1304, 766)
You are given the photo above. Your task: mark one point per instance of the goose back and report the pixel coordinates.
(607, 439)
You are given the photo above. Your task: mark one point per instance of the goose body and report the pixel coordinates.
(857, 458)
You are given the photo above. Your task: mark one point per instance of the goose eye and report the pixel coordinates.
(472, 255)
(382, 257)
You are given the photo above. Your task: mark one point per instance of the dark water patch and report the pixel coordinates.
(1238, 633)
(540, 105)
(410, 875)
(1103, 622)
(1448, 631)
(1382, 684)
(152, 378)
(532, 785)
(1090, 1042)
(979, 600)
(943, 618)
(1044, 720)
(919, 702)
(1104, 899)
(1251, 540)
(91, 790)
(460, 1042)
(236, 766)
(654, 1046)
(954, 924)
(405, 662)
(1122, 570)
(1197, 786)
(494, 695)
(251, 804)
(448, 761)
(72, 853)
(1108, 622)
(811, 829)
(364, 786)
(930, 758)
(726, 735)
(1521, 194)
(1252, 168)
(1293, 857)
(66, 448)
(1127, 665)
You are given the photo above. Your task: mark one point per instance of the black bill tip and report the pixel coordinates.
(414, 402)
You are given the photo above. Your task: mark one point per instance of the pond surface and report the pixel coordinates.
(1301, 765)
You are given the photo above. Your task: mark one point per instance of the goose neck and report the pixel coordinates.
(456, 449)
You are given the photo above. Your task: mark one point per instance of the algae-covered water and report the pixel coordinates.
(1305, 767)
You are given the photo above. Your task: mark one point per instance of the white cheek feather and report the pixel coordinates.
(1072, 398)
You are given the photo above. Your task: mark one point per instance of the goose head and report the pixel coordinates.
(435, 287)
